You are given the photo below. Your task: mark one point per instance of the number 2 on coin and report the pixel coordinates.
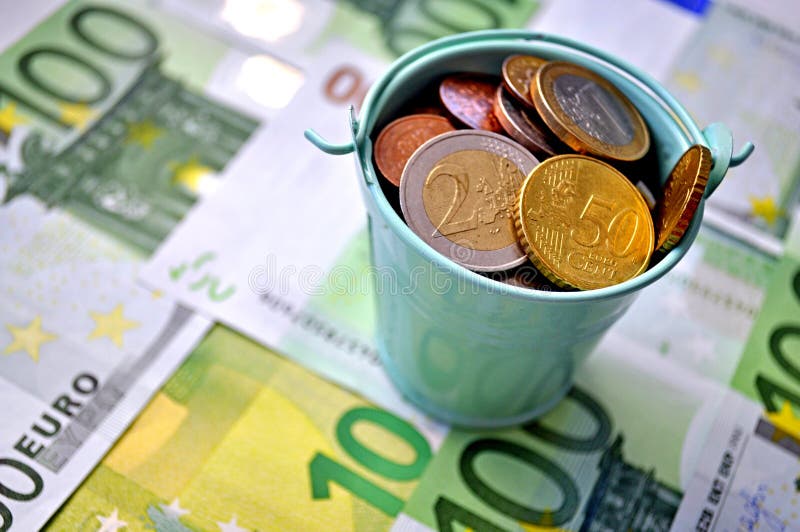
(624, 223)
(460, 181)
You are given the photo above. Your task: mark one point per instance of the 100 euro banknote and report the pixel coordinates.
(110, 130)
(299, 30)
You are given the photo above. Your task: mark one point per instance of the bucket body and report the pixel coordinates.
(470, 355)
(470, 350)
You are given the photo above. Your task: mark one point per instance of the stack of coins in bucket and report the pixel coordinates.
(541, 169)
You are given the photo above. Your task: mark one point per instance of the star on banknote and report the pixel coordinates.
(111, 522)
(112, 325)
(29, 338)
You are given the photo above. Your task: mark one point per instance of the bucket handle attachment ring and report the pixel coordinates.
(720, 141)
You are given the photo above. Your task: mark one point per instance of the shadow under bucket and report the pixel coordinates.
(466, 349)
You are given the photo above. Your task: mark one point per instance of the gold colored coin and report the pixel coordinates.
(583, 224)
(518, 71)
(458, 193)
(588, 113)
(485, 186)
(682, 194)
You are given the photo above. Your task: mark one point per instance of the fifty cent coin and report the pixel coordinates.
(458, 193)
(470, 98)
(583, 224)
(588, 112)
(401, 138)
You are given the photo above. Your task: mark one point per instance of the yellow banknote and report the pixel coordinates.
(241, 439)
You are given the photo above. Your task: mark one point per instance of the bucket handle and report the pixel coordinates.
(328, 147)
(409, 57)
(718, 137)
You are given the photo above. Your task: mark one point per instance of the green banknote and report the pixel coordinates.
(92, 120)
(82, 347)
(107, 137)
(241, 439)
(619, 452)
(397, 26)
(769, 370)
(700, 314)
(385, 29)
(613, 455)
(748, 475)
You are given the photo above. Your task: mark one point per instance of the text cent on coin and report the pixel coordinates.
(458, 192)
(583, 224)
(398, 141)
(682, 194)
(588, 113)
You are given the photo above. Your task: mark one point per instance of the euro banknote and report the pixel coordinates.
(748, 476)
(242, 439)
(298, 30)
(110, 129)
(768, 371)
(105, 129)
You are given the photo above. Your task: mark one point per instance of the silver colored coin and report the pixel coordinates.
(594, 109)
(647, 194)
(522, 128)
(477, 200)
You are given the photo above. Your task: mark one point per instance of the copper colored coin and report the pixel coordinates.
(521, 127)
(470, 98)
(428, 110)
(401, 138)
(518, 70)
(683, 191)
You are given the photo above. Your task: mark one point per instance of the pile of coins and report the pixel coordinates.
(531, 166)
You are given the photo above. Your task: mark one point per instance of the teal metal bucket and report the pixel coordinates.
(466, 349)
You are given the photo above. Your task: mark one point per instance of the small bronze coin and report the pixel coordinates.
(682, 194)
(428, 110)
(400, 139)
(518, 71)
(470, 99)
(525, 129)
